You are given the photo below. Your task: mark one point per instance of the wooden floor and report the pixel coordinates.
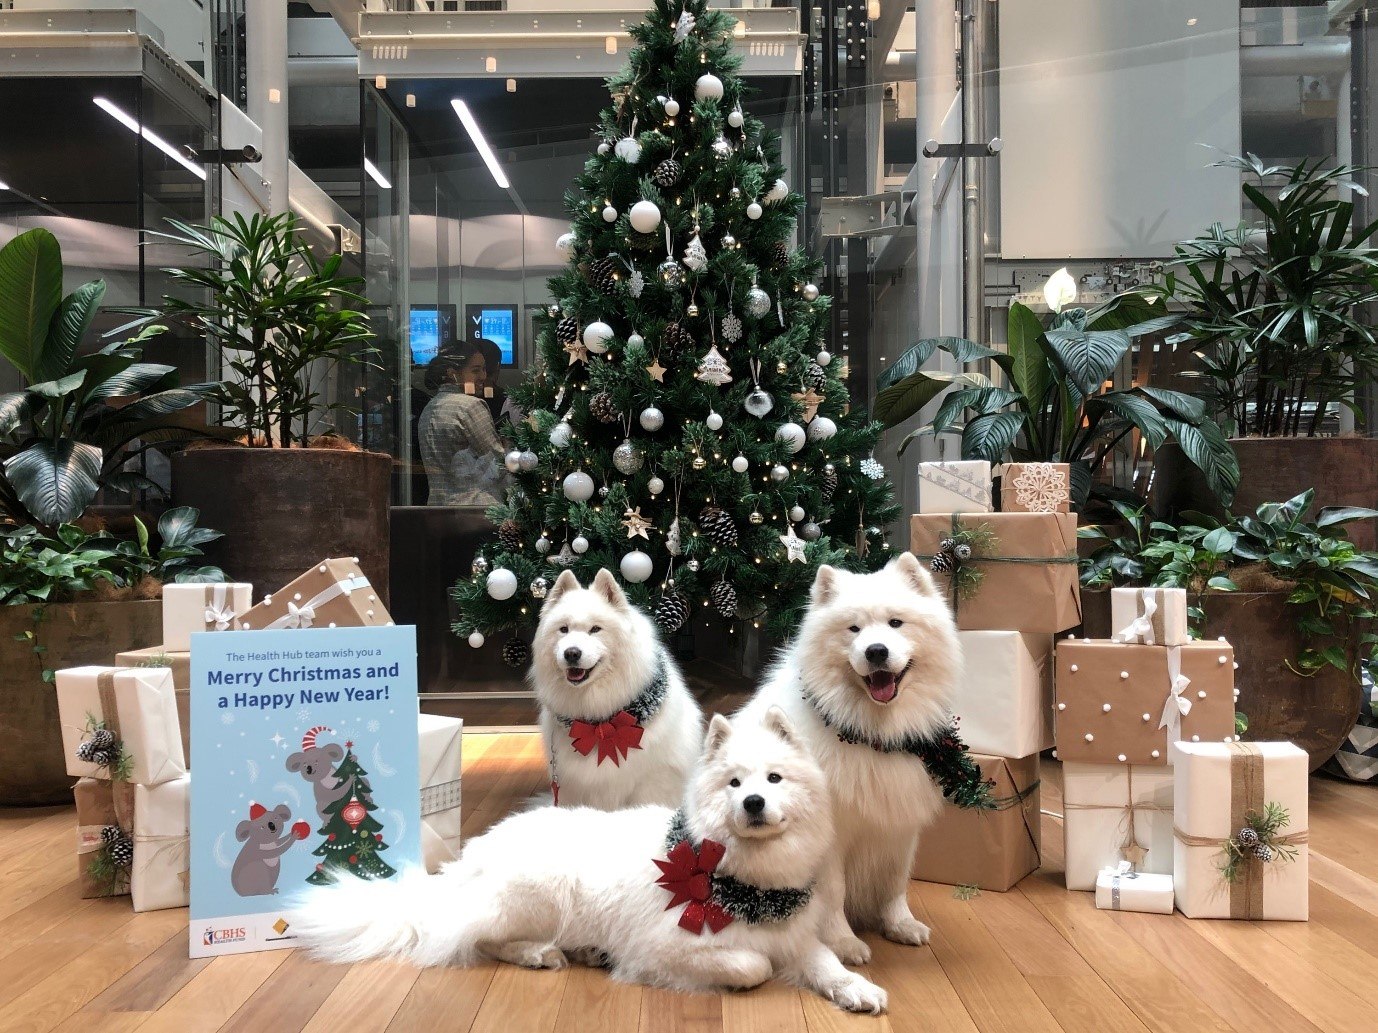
(1037, 958)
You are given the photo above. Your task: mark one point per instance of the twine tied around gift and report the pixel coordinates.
(1258, 842)
(219, 616)
(101, 743)
(967, 545)
(304, 616)
(1178, 703)
(161, 845)
(1131, 850)
(1148, 625)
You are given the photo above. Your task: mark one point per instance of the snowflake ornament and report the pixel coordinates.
(673, 543)
(731, 328)
(636, 283)
(1041, 488)
(871, 467)
(684, 26)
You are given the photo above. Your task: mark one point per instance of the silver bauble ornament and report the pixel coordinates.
(578, 486)
(651, 419)
(810, 292)
(476, 639)
(553, 311)
(821, 428)
(655, 485)
(596, 336)
(561, 434)
(502, 584)
(543, 545)
(754, 211)
(539, 587)
(758, 402)
(708, 87)
(693, 565)
(628, 149)
(636, 566)
(714, 421)
(778, 192)
(728, 241)
(579, 544)
(755, 517)
(627, 458)
(512, 461)
(644, 216)
(565, 244)
(757, 302)
(722, 150)
(779, 473)
(735, 192)
(609, 213)
(829, 469)
(791, 435)
(671, 273)
(740, 464)
(810, 531)
(635, 340)
(479, 566)
(692, 310)
(796, 513)
(528, 461)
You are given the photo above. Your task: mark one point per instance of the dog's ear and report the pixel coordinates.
(564, 583)
(606, 585)
(719, 731)
(824, 584)
(907, 566)
(778, 722)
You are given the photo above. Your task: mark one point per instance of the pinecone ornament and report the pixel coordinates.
(1263, 852)
(603, 274)
(602, 408)
(516, 653)
(105, 758)
(717, 526)
(1247, 838)
(676, 339)
(567, 330)
(671, 612)
(815, 377)
(667, 173)
(724, 598)
(510, 535)
(779, 253)
(827, 485)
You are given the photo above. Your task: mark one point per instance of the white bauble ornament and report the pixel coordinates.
(596, 336)
(735, 118)
(565, 244)
(502, 584)
(739, 465)
(792, 435)
(476, 639)
(609, 214)
(758, 402)
(810, 292)
(604, 147)
(651, 419)
(628, 150)
(561, 435)
(821, 429)
(796, 513)
(579, 544)
(823, 357)
(635, 340)
(714, 421)
(709, 87)
(757, 302)
(779, 473)
(655, 485)
(512, 461)
(778, 192)
(636, 566)
(578, 486)
(528, 461)
(671, 107)
(644, 216)
(754, 211)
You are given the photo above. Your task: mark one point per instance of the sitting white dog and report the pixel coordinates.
(719, 894)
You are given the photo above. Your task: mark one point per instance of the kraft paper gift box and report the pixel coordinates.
(1152, 616)
(1004, 700)
(1113, 813)
(159, 876)
(1021, 574)
(439, 742)
(1036, 488)
(102, 804)
(958, 487)
(992, 850)
(332, 594)
(179, 663)
(1121, 888)
(1123, 704)
(202, 607)
(138, 706)
(1221, 789)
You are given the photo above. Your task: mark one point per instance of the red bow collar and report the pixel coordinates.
(615, 737)
(688, 877)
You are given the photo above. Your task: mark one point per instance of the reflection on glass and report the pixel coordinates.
(459, 443)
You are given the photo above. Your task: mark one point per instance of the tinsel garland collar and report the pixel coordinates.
(689, 875)
(617, 735)
(944, 756)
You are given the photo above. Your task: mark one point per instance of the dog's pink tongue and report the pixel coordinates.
(882, 686)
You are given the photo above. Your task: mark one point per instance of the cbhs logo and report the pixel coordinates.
(215, 937)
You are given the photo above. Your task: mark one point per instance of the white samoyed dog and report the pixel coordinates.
(719, 894)
(620, 726)
(867, 679)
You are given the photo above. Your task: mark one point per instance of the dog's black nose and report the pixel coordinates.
(877, 653)
(754, 804)
(572, 654)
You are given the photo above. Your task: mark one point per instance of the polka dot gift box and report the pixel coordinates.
(332, 594)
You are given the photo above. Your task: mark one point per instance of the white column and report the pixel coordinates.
(266, 67)
(935, 75)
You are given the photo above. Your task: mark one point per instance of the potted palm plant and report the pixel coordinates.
(287, 491)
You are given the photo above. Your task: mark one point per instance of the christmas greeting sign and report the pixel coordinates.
(307, 772)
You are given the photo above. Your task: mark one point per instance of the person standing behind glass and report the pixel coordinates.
(460, 447)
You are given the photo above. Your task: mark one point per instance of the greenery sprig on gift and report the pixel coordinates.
(1260, 839)
(100, 746)
(109, 868)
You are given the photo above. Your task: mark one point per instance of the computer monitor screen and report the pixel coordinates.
(496, 323)
(431, 327)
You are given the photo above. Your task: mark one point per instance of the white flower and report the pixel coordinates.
(1060, 290)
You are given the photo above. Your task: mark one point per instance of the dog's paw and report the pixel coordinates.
(860, 995)
(852, 951)
(747, 970)
(591, 957)
(907, 930)
(534, 955)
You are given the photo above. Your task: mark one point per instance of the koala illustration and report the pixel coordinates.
(266, 837)
(317, 766)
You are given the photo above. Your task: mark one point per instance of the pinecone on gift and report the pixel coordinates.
(602, 408)
(941, 563)
(604, 275)
(1247, 838)
(717, 526)
(510, 535)
(667, 173)
(724, 598)
(516, 653)
(676, 339)
(1263, 852)
(567, 330)
(671, 612)
(118, 846)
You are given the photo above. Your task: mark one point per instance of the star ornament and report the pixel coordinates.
(1133, 853)
(810, 400)
(657, 371)
(636, 524)
(794, 546)
(576, 352)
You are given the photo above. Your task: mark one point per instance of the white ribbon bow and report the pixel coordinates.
(1140, 629)
(1177, 705)
(302, 616)
(220, 618)
(218, 612)
(1123, 870)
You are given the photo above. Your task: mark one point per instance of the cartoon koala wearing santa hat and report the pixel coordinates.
(266, 837)
(316, 764)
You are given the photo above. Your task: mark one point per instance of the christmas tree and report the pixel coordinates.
(353, 837)
(687, 425)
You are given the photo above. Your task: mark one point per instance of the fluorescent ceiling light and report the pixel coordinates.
(4, 185)
(476, 134)
(127, 120)
(375, 175)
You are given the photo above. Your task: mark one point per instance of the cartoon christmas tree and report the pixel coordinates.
(687, 424)
(353, 837)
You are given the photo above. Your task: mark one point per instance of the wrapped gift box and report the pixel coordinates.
(1114, 813)
(1221, 789)
(989, 849)
(439, 742)
(1113, 699)
(179, 664)
(1152, 616)
(1004, 701)
(137, 705)
(1021, 574)
(332, 594)
(1036, 488)
(1122, 889)
(202, 607)
(159, 878)
(102, 804)
(959, 487)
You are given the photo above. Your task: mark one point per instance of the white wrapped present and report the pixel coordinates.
(1121, 888)
(1151, 616)
(438, 748)
(1004, 702)
(159, 877)
(958, 487)
(120, 722)
(1242, 830)
(201, 607)
(1114, 813)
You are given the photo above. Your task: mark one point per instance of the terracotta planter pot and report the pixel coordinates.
(1343, 472)
(1316, 713)
(33, 770)
(284, 509)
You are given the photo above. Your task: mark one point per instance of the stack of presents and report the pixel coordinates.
(126, 734)
(1163, 806)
